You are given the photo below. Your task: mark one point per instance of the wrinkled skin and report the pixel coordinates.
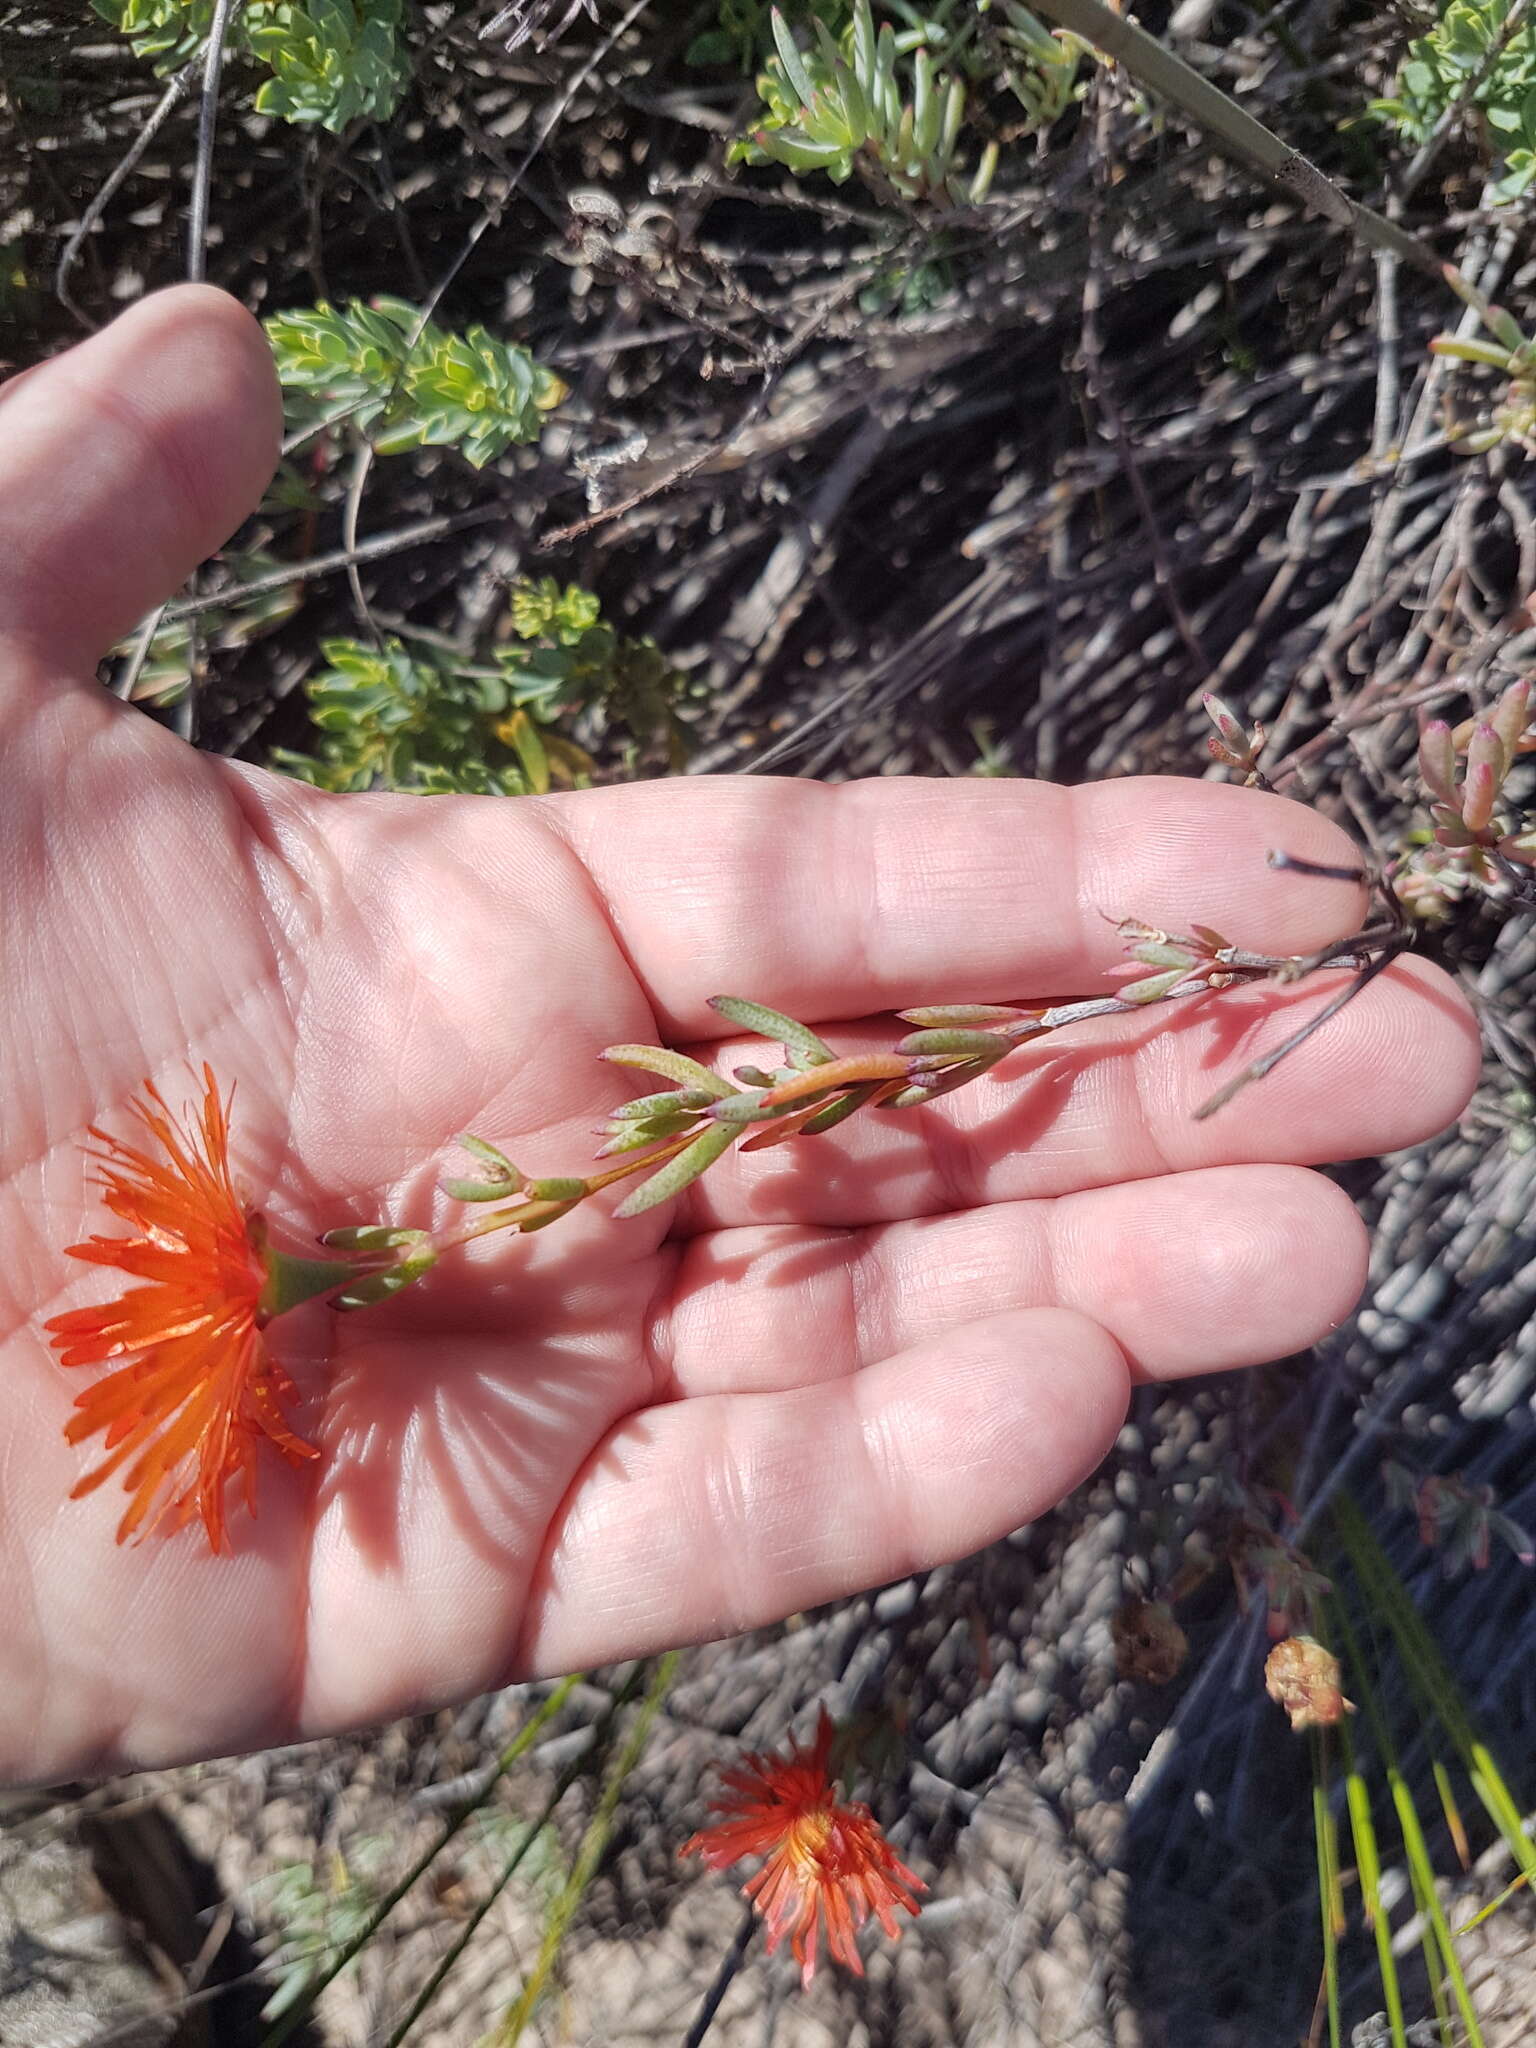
(831, 1364)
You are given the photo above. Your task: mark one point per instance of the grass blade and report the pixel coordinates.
(508, 1871)
(1368, 1866)
(1422, 1873)
(1431, 1677)
(1231, 126)
(517, 1747)
(1493, 1905)
(1455, 1826)
(1330, 1894)
(588, 1857)
(1440, 1958)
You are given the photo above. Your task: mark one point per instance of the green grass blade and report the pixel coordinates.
(1231, 126)
(1431, 1677)
(517, 1747)
(593, 1843)
(1368, 1865)
(1455, 1826)
(1421, 1870)
(509, 1869)
(1483, 1913)
(1329, 1891)
(1440, 1958)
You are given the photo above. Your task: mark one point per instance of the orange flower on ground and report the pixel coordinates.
(190, 1413)
(828, 1862)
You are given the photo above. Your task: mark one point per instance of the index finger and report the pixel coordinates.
(832, 901)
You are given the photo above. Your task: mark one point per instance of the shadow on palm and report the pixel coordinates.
(479, 1397)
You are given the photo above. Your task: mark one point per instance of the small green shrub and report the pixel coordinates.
(1440, 66)
(465, 391)
(566, 659)
(418, 722)
(846, 106)
(389, 719)
(332, 61)
(895, 103)
(318, 1914)
(165, 33)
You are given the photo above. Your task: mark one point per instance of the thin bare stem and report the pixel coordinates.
(294, 2017)
(488, 219)
(175, 92)
(725, 1976)
(1268, 1061)
(1290, 863)
(207, 126)
(138, 655)
(413, 536)
(356, 485)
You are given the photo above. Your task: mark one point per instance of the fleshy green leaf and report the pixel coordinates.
(801, 1043)
(790, 58)
(673, 1066)
(678, 1173)
(372, 1237)
(984, 1045)
(962, 1016)
(665, 1100)
(833, 1113)
(560, 1188)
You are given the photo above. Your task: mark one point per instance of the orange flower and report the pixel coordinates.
(189, 1415)
(828, 1863)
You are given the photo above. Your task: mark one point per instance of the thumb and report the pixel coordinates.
(124, 463)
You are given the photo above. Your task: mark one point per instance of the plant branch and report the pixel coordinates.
(175, 92)
(207, 125)
(672, 1136)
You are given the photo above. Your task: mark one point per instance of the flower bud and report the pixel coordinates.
(1232, 734)
(1304, 1678)
(1484, 776)
(1437, 760)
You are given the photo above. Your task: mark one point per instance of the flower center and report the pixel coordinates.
(810, 1840)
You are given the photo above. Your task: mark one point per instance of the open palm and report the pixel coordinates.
(832, 1363)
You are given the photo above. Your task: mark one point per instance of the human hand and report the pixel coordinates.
(828, 1365)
